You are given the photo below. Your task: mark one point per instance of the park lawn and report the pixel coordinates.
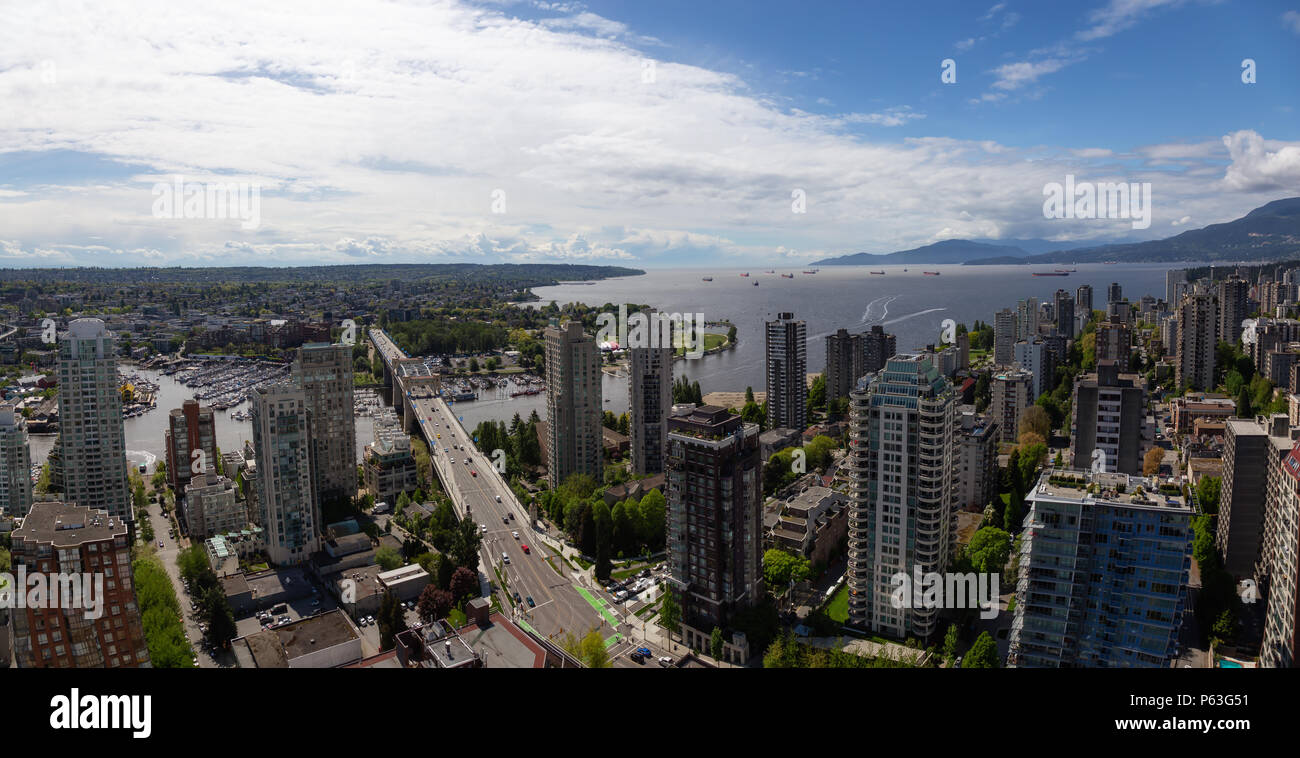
(837, 609)
(711, 341)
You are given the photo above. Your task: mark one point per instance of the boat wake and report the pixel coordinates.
(911, 315)
(877, 310)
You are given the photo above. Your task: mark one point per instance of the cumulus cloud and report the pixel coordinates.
(1259, 164)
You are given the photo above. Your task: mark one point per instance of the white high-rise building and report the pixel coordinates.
(901, 519)
(91, 435)
(285, 482)
(15, 463)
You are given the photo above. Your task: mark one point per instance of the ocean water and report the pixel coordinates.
(909, 304)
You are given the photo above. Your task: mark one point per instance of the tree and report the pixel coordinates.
(434, 604)
(1036, 419)
(749, 394)
(670, 613)
(593, 649)
(817, 393)
(388, 609)
(388, 558)
(950, 644)
(983, 654)
(463, 582)
(1244, 409)
(1152, 460)
(1226, 627)
(465, 545)
(716, 643)
(780, 567)
(1207, 494)
(989, 550)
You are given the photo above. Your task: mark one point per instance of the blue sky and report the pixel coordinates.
(527, 130)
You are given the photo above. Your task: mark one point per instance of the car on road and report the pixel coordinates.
(531, 604)
(515, 535)
(505, 558)
(467, 461)
(482, 528)
(518, 599)
(505, 519)
(644, 651)
(636, 657)
(473, 473)
(665, 661)
(160, 543)
(498, 498)
(525, 547)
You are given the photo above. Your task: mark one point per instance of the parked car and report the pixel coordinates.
(665, 661)
(645, 651)
(530, 601)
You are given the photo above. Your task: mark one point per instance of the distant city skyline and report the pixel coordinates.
(657, 136)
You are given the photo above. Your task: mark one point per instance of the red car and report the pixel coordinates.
(525, 547)
(472, 472)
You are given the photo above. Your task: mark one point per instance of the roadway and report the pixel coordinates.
(475, 489)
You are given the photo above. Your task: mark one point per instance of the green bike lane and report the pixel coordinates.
(602, 608)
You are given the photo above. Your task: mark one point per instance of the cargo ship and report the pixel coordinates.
(930, 273)
(745, 274)
(878, 273)
(1051, 273)
(787, 276)
(708, 278)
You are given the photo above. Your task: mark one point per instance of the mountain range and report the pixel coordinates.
(1270, 232)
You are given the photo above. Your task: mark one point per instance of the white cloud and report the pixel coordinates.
(1291, 20)
(384, 140)
(1261, 165)
(1119, 15)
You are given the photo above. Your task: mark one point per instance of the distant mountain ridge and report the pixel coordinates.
(1268, 232)
(947, 251)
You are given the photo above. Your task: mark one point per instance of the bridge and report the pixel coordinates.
(515, 556)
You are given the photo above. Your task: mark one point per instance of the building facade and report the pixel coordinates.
(1107, 414)
(1102, 574)
(15, 464)
(323, 372)
(92, 439)
(845, 363)
(650, 394)
(787, 372)
(901, 477)
(286, 482)
(573, 404)
(190, 428)
(61, 538)
(715, 519)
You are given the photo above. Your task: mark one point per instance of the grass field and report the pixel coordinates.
(838, 608)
